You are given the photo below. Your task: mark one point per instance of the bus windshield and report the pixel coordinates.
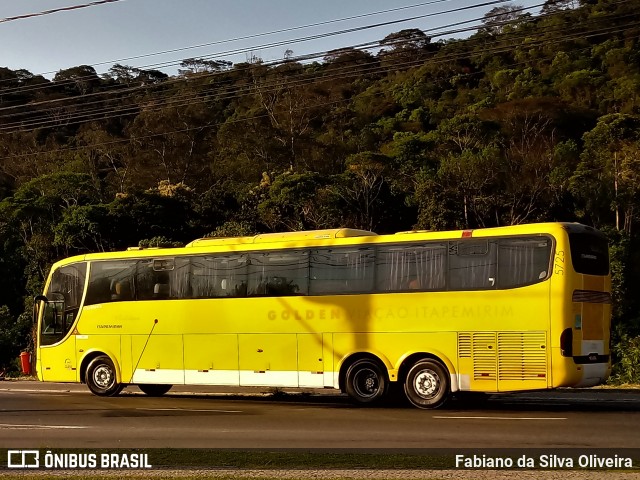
(63, 301)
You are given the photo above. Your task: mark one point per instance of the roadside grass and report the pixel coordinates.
(178, 476)
(198, 464)
(618, 386)
(250, 459)
(192, 464)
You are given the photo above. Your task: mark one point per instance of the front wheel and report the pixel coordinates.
(427, 384)
(366, 382)
(154, 390)
(101, 377)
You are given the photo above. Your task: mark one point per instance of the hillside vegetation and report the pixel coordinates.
(531, 118)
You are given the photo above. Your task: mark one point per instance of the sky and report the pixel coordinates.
(117, 32)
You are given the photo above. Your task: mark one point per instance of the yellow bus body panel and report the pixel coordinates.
(489, 340)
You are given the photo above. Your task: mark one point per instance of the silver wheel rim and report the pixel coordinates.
(426, 383)
(365, 383)
(103, 377)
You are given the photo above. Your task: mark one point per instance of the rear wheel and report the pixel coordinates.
(366, 382)
(154, 390)
(427, 384)
(101, 377)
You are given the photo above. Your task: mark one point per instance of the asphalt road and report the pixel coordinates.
(36, 415)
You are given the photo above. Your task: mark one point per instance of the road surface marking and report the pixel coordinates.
(12, 426)
(188, 410)
(33, 390)
(497, 418)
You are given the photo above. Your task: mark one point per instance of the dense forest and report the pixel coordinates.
(528, 118)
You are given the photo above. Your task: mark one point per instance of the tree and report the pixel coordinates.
(361, 185)
(83, 228)
(348, 64)
(404, 48)
(298, 201)
(131, 75)
(411, 39)
(14, 337)
(607, 179)
(498, 19)
(35, 210)
(28, 220)
(348, 56)
(193, 66)
(82, 79)
(581, 86)
(552, 6)
(123, 73)
(529, 167)
(170, 143)
(291, 109)
(12, 266)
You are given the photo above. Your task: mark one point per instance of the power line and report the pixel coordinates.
(287, 42)
(257, 35)
(257, 117)
(196, 97)
(245, 50)
(351, 30)
(56, 10)
(267, 88)
(34, 122)
(273, 32)
(133, 89)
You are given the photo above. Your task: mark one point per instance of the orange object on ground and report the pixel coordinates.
(25, 362)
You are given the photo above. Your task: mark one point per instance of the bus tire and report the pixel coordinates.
(427, 384)
(366, 382)
(154, 390)
(101, 377)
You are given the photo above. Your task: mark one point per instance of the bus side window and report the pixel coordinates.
(110, 281)
(99, 291)
(472, 264)
(120, 290)
(523, 260)
(216, 276)
(240, 290)
(150, 283)
(279, 273)
(411, 267)
(161, 291)
(341, 270)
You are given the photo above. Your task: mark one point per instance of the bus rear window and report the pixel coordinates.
(589, 253)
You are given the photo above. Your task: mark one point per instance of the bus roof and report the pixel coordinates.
(283, 237)
(324, 238)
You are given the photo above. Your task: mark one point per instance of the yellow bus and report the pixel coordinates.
(504, 309)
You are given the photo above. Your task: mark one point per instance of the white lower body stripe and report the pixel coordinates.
(267, 378)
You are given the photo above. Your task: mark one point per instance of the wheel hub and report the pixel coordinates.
(426, 383)
(366, 383)
(102, 376)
